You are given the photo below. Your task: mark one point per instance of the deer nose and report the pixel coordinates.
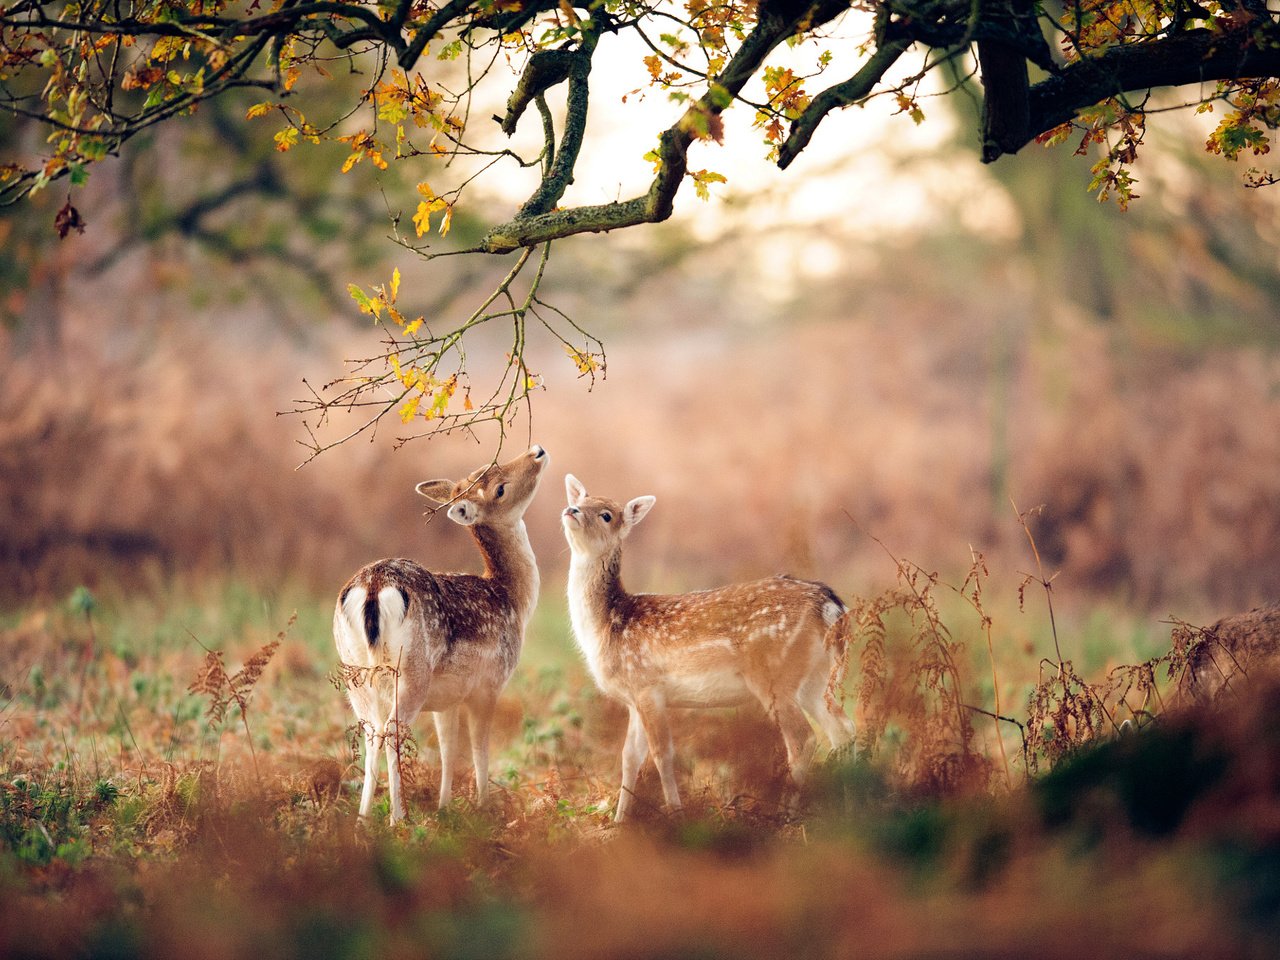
(570, 512)
(538, 452)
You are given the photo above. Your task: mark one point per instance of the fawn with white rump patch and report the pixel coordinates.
(769, 640)
(413, 640)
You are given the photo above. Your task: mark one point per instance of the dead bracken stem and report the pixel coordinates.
(971, 591)
(924, 696)
(223, 689)
(1045, 582)
(1063, 722)
(398, 733)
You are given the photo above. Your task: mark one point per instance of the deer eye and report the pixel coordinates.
(607, 517)
(502, 488)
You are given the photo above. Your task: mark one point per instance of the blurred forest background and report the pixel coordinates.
(772, 377)
(890, 343)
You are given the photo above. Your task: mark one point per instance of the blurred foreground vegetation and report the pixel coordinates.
(133, 824)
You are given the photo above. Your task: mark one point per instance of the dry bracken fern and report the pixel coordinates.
(918, 687)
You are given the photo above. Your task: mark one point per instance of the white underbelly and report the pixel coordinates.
(721, 689)
(448, 690)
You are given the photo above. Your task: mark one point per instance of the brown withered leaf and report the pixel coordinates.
(715, 128)
(68, 219)
(142, 78)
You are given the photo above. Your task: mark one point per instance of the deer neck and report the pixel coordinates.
(508, 560)
(596, 596)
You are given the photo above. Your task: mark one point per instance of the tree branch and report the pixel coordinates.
(221, 28)
(560, 172)
(777, 21)
(1006, 84)
(423, 35)
(1196, 56)
(841, 95)
(545, 69)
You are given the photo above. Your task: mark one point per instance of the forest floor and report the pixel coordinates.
(140, 818)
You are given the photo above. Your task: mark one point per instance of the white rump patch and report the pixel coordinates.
(391, 606)
(353, 608)
(831, 612)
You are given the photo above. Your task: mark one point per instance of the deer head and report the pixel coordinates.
(491, 495)
(594, 526)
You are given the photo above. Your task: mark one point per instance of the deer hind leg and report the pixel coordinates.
(371, 756)
(836, 724)
(797, 735)
(479, 718)
(634, 753)
(405, 705)
(370, 718)
(447, 734)
(394, 734)
(392, 737)
(652, 708)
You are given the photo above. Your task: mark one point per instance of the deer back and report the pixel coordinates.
(768, 632)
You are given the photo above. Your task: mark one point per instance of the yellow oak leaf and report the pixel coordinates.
(410, 409)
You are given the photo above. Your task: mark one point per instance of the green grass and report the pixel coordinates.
(128, 818)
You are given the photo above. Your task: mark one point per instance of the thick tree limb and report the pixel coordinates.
(560, 174)
(653, 207)
(1006, 110)
(545, 69)
(423, 35)
(841, 95)
(1196, 56)
(287, 19)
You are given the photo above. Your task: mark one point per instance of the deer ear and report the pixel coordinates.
(441, 491)
(574, 489)
(464, 512)
(635, 510)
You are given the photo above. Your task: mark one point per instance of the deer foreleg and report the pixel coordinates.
(635, 750)
(657, 729)
(447, 734)
(479, 717)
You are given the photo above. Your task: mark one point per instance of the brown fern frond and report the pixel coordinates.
(1137, 680)
(972, 591)
(1065, 713)
(402, 741)
(1188, 644)
(244, 679)
(356, 734)
(921, 693)
(837, 640)
(869, 617)
(1022, 592)
(211, 680)
(348, 676)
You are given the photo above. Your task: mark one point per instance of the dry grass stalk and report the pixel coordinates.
(971, 591)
